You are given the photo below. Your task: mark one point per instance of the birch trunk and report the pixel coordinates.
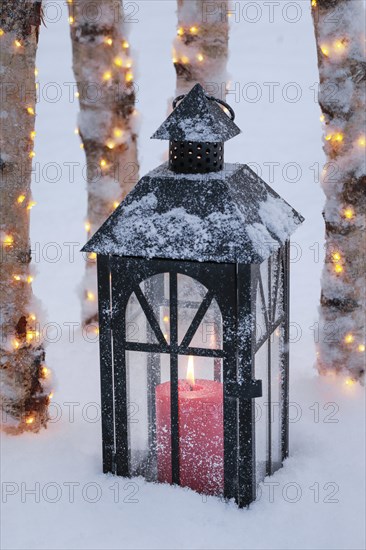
(340, 38)
(23, 390)
(200, 50)
(103, 71)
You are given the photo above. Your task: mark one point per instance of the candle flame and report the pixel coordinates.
(190, 371)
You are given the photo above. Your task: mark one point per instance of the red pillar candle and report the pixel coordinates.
(201, 446)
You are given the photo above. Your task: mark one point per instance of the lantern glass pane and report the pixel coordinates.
(261, 414)
(277, 376)
(138, 329)
(264, 278)
(261, 326)
(145, 372)
(156, 292)
(201, 428)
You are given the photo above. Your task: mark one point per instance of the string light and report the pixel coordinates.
(30, 110)
(125, 45)
(33, 134)
(108, 40)
(8, 240)
(193, 30)
(44, 372)
(103, 163)
(21, 199)
(17, 277)
(90, 296)
(313, 3)
(338, 137)
(117, 132)
(348, 213)
(87, 226)
(92, 256)
(339, 46)
(325, 50)
(361, 141)
(71, 20)
(32, 317)
(115, 204)
(17, 44)
(338, 268)
(36, 72)
(322, 118)
(77, 94)
(118, 61)
(110, 144)
(180, 31)
(15, 344)
(30, 279)
(336, 256)
(349, 382)
(29, 420)
(76, 131)
(184, 59)
(200, 57)
(32, 154)
(31, 204)
(1, 32)
(129, 76)
(51, 395)
(349, 338)
(81, 145)
(361, 348)
(107, 75)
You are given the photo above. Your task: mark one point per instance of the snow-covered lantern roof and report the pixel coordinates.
(193, 278)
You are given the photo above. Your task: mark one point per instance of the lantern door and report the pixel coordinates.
(173, 334)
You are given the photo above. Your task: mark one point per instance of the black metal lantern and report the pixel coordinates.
(193, 284)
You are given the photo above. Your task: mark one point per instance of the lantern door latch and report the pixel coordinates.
(245, 390)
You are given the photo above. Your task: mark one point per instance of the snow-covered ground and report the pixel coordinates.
(317, 499)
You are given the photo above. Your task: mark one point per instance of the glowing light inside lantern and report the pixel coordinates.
(190, 371)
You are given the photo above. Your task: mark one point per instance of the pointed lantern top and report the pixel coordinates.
(198, 118)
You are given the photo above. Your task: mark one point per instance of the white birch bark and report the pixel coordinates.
(340, 37)
(103, 71)
(200, 50)
(23, 388)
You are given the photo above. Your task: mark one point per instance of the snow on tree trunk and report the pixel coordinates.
(23, 388)
(103, 70)
(339, 31)
(200, 49)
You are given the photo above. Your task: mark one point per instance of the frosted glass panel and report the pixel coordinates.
(261, 413)
(277, 396)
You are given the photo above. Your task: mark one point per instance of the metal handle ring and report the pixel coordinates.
(210, 97)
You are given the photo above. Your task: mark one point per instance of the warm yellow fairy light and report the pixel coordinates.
(180, 31)
(51, 395)
(17, 44)
(71, 20)
(184, 59)
(32, 317)
(349, 338)
(103, 163)
(349, 213)
(110, 144)
(15, 344)
(21, 199)
(31, 204)
(313, 3)
(33, 134)
(322, 118)
(117, 132)
(77, 94)
(174, 60)
(325, 50)
(338, 268)
(108, 40)
(1, 32)
(115, 204)
(87, 226)
(193, 30)
(30, 279)
(17, 277)
(32, 154)
(92, 256)
(361, 348)
(8, 240)
(339, 46)
(336, 256)
(118, 61)
(349, 382)
(125, 44)
(36, 72)
(129, 64)
(30, 110)
(44, 371)
(107, 75)
(361, 141)
(76, 131)
(200, 57)
(81, 145)
(129, 76)
(90, 296)
(29, 420)
(338, 137)
(328, 137)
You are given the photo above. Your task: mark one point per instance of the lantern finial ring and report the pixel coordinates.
(211, 98)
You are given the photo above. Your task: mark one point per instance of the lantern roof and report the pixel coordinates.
(197, 118)
(230, 216)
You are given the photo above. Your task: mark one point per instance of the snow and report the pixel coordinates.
(319, 500)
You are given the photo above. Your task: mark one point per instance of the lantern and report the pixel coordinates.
(193, 286)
